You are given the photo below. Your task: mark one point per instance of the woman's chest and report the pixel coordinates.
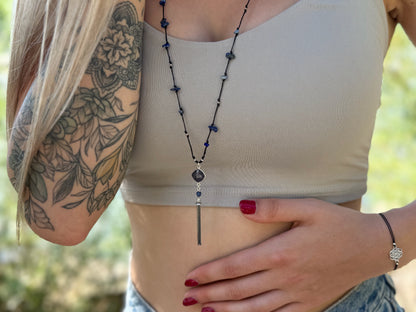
(212, 20)
(310, 75)
(301, 97)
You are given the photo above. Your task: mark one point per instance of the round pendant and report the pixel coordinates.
(198, 175)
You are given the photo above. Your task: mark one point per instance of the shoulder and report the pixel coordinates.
(404, 13)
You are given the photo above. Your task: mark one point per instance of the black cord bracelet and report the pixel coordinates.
(396, 253)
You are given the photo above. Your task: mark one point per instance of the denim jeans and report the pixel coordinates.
(373, 295)
(134, 302)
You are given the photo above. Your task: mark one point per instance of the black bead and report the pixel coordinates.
(198, 175)
(164, 23)
(175, 88)
(181, 112)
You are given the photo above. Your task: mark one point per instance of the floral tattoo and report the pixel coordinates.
(97, 125)
(117, 61)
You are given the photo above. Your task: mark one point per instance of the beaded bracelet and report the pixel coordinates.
(396, 253)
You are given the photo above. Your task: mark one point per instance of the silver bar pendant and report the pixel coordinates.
(198, 175)
(198, 210)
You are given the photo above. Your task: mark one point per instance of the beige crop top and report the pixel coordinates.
(297, 112)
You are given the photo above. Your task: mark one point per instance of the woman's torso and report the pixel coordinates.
(164, 236)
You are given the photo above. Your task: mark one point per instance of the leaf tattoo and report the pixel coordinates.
(64, 186)
(35, 213)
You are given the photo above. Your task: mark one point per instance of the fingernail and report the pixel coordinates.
(207, 309)
(248, 206)
(191, 283)
(189, 301)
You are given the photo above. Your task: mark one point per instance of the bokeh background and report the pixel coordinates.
(41, 277)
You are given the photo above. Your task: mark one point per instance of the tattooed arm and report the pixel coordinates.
(81, 163)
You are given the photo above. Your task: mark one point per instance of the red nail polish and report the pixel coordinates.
(191, 283)
(248, 206)
(189, 301)
(208, 309)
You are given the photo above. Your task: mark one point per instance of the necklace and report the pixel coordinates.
(198, 174)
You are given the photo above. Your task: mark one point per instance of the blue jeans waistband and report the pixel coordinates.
(374, 295)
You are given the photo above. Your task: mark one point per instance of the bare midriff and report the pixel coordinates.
(165, 247)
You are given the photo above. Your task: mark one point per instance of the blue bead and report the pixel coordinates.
(166, 45)
(164, 23)
(230, 55)
(206, 144)
(237, 31)
(198, 194)
(181, 112)
(162, 2)
(224, 77)
(175, 88)
(213, 128)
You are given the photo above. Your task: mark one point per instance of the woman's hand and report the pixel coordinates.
(328, 250)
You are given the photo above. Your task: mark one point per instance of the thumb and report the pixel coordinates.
(272, 210)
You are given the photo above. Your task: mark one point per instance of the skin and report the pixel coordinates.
(282, 258)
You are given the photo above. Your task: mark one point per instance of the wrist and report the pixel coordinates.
(381, 241)
(403, 224)
(396, 252)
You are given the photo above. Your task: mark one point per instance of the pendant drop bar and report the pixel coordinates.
(198, 211)
(198, 175)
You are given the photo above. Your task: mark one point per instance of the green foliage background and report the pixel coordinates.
(392, 175)
(39, 276)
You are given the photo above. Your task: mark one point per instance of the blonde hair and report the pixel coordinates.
(51, 46)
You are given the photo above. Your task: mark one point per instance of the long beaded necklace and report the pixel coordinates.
(199, 175)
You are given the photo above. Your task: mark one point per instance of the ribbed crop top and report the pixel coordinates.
(297, 113)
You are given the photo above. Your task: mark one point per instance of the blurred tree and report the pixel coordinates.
(392, 175)
(5, 19)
